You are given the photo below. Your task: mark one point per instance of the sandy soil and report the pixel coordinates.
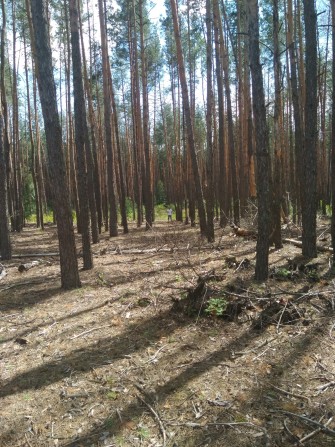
(127, 361)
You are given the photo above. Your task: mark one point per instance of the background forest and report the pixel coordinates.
(204, 105)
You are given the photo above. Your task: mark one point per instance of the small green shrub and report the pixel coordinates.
(216, 306)
(313, 276)
(283, 273)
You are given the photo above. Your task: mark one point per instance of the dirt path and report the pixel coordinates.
(114, 363)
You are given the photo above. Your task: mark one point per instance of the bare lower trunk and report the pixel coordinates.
(43, 58)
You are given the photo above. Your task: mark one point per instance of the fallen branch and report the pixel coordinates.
(198, 425)
(34, 255)
(322, 427)
(325, 386)
(215, 424)
(299, 244)
(289, 431)
(26, 283)
(28, 266)
(141, 251)
(315, 432)
(288, 393)
(158, 419)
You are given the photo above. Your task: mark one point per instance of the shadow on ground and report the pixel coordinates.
(133, 339)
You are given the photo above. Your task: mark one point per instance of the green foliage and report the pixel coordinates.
(160, 212)
(312, 275)
(47, 217)
(129, 208)
(113, 395)
(216, 306)
(28, 195)
(143, 432)
(160, 195)
(283, 273)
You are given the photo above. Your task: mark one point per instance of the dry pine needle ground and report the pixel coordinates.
(119, 363)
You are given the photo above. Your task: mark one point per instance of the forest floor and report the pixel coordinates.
(132, 359)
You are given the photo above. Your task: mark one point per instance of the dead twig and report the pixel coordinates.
(288, 393)
(211, 424)
(261, 354)
(158, 419)
(309, 421)
(325, 231)
(90, 330)
(154, 357)
(289, 431)
(253, 350)
(240, 265)
(27, 440)
(281, 316)
(216, 424)
(315, 432)
(325, 386)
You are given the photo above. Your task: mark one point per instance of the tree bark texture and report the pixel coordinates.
(80, 132)
(188, 120)
(333, 137)
(56, 166)
(113, 230)
(309, 159)
(262, 146)
(5, 245)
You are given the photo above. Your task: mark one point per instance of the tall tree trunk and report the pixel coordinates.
(137, 117)
(188, 121)
(209, 122)
(92, 120)
(91, 163)
(46, 84)
(222, 177)
(18, 217)
(231, 138)
(333, 136)
(32, 141)
(309, 160)
(277, 189)
(113, 230)
(262, 146)
(298, 127)
(148, 194)
(39, 161)
(70, 144)
(122, 198)
(80, 132)
(6, 142)
(5, 245)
